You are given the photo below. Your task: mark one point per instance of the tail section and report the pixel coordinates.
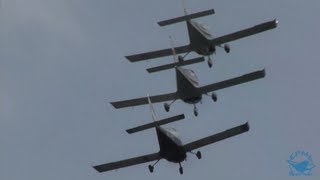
(186, 17)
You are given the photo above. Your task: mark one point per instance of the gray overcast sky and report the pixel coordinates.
(62, 60)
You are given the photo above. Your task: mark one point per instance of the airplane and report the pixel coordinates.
(171, 147)
(188, 89)
(201, 40)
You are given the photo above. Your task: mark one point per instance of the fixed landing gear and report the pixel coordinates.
(198, 154)
(195, 110)
(167, 106)
(151, 167)
(214, 97)
(210, 63)
(180, 169)
(226, 48)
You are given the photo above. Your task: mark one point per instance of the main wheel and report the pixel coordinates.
(181, 170)
(214, 97)
(195, 112)
(166, 107)
(151, 168)
(226, 48)
(210, 63)
(198, 155)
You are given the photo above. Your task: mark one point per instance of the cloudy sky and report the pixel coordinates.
(62, 61)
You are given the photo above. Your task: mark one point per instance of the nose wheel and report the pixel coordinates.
(180, 169)
(195, 110)
(210, 63)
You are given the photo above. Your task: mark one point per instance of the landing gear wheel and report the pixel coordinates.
(226, 48)
(166, 107)
(151, 168)
(198, 155)
(210, 63)
(195, 112)
(214, 97)
(181, 170)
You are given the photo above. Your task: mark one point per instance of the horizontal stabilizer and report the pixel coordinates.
(186, 17)
(155, 124)
(176, 64)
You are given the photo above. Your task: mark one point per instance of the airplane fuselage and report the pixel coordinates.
(170, 146)
(187, 86)
(200, 38)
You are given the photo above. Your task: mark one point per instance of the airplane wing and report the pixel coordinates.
(175, 64)
(246, 32)
(157, 54)
(234, 81)
(127, 162)
(144, 100)
(217, 137)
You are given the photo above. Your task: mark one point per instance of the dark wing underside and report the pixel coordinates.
(157, 54)
(217, 137)
(144, 100)
(127, 162)
(232, 82)
(175, 64)
(244, 33)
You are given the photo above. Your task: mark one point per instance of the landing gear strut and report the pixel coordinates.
(167, 106)
(151, 167)
(195, 110)
(210, 63)
(180, 169)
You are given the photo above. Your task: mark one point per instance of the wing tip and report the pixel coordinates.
(246, 126)
(276, 22)
(97, 169)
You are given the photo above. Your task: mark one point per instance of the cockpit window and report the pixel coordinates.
(192, 76)
(203, 29)
(173, 134)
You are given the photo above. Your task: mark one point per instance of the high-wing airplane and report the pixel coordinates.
(201, 40)
(171, 147)
(188, 89)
